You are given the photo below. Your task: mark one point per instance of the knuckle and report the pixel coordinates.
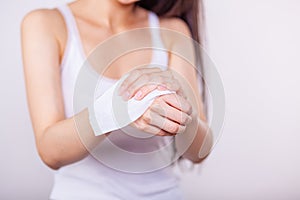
(140, 125)
(147, 118)
(173, 128)
(184, 118)
(182, 93)
(155, 106)
(143, 90)
(182, 129)
(143, 127)
(158, 101)
(160, 133)
(189, 109)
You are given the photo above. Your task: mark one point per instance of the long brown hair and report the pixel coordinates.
(190, 11)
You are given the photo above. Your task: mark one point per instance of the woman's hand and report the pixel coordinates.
(168, 115)
(141, 82)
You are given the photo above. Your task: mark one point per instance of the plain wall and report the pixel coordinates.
(255, 45)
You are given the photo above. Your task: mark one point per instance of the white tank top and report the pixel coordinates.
(89, 178)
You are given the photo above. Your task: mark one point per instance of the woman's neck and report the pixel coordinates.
(109, 13)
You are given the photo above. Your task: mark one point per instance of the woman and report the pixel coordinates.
(55, 41)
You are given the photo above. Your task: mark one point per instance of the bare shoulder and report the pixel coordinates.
(41, 18)
(175, 24)
(45, 21)
(45, 26)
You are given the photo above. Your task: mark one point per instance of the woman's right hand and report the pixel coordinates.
(168, 115)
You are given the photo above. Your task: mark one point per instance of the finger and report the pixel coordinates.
(168, 80)
(176, 86)
(178, 102)
(161, 87)
(152, 79)
(145, 90)
(143, 81)
(134, 75)
(164, 123)
(157, 82)
(172, 84)
(167, 111)
(144, 126)
(156, 131)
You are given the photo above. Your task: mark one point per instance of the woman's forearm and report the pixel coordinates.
(67, 141)
(199, 136)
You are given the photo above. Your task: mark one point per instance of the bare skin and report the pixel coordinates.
(44, 38)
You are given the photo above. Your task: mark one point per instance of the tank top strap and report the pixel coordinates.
(74, 39)
(153, 20)
(69, 18)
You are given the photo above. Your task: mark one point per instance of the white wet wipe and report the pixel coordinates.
(110, 112)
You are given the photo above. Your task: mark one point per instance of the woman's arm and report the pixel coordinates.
(197, 131)
(186, 74)
(57, 140)
(181, 77)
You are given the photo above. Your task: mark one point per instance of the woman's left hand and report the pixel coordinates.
(141, 82)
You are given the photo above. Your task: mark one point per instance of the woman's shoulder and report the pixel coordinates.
(44, 21)
(42, 17)
(46, 24)
(175, 24)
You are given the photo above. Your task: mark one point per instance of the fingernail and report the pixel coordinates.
(138, 95)
(126, 96)
(161, 87)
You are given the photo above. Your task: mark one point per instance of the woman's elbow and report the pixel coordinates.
(204, 151)
(200, 158)
(49, 159)
(206, 148)
(48, 155)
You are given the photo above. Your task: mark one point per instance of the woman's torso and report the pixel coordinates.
(91, 178)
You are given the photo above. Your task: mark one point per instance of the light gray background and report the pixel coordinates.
(256, 46)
